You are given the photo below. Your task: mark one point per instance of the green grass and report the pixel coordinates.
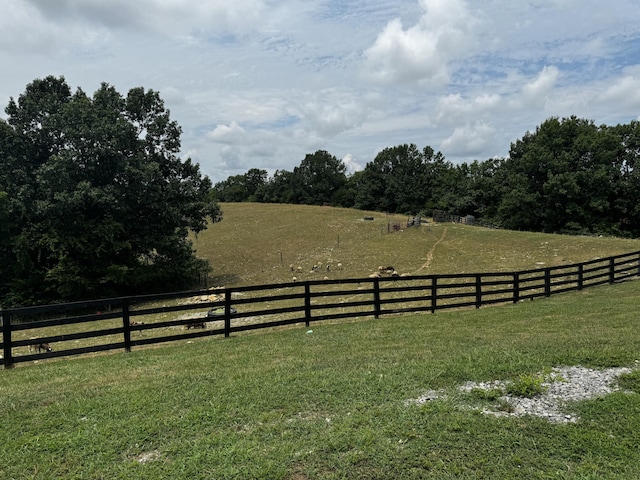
(331, 404)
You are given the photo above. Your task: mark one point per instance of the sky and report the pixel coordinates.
(262, 83)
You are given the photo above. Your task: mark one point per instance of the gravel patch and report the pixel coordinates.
(560, 386)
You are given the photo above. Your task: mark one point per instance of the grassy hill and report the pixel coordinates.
(257, 243)
(331, 402)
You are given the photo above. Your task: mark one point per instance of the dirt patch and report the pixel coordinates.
(557, 388)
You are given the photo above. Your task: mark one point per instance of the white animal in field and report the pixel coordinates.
(339, 266)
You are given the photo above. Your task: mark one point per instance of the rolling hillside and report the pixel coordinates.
(257, 243)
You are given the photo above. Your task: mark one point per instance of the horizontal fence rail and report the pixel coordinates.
(122, 323)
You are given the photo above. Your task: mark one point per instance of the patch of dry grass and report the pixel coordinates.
(257, 243)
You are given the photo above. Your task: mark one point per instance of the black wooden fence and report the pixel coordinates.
(122, 323)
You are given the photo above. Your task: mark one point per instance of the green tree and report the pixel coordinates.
(563, 178)
(400, 179)
(477, 190)
(318, 178)
(627, 169)
(242, 188)
(102, 204)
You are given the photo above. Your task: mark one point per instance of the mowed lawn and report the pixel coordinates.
(330, 401)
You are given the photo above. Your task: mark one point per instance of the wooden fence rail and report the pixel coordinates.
(122, 323)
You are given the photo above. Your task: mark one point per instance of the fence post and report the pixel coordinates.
(227, 313)
(547, 282)
(434, 293)
(126, 325)
(516, 287)
(478, 291)
(580, 276)
(376, 297)
(612, 270)
(307, 303)
(7, 357)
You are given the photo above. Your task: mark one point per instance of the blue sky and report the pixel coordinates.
(261, 83)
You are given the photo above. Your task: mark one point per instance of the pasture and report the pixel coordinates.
(256, 244)
(330, 402)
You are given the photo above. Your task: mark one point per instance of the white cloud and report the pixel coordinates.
(535, 94)
(454, 108)
(330, 112)
(469, 140)
(542, 84)
(625, 90)
(227, 134)
(422, 52)
(352, 165)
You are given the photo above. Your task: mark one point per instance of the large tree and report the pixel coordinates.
(242, 188)
(318, 178)
(400, 179)
(101, 203)
(566, 177)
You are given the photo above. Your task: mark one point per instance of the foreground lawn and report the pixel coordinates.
(331, 402)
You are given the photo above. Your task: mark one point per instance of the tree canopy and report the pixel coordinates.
(99, 201)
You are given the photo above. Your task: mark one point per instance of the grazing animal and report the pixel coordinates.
(191, 325)
(386, 270)
(295, 279)
(40, 347)
(328, 267)
(291, 267)
(374, 275)
(339, 266)
(136, 326)
(299, 269)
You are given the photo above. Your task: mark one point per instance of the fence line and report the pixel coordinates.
(107, 324)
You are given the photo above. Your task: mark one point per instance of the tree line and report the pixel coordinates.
(568, 176)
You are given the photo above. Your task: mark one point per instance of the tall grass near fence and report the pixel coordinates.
(287, 404)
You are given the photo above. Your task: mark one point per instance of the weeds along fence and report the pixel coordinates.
(123, 323)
